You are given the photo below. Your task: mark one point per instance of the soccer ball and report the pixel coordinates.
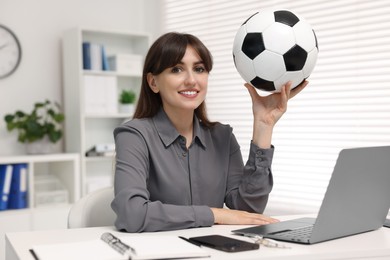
(273, 47)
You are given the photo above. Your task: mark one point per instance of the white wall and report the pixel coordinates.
(39, 25)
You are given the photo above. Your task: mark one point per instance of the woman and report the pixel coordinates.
(175, 168)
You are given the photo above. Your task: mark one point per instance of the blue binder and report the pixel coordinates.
(104, 59)
(86, 55)
(18, 193)
(5, 185)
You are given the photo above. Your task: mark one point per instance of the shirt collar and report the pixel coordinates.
(168, 133)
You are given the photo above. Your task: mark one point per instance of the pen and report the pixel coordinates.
(272, 243)
(190, 241)
(267, 242)
(118, 245)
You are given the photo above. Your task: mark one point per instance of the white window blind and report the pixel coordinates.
(347, 103)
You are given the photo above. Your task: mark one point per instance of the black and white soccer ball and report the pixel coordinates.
(273, 47)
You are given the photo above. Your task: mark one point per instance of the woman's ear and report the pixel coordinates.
(152, 82)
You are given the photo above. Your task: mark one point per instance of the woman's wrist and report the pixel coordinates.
(262, 135)
(216, 215)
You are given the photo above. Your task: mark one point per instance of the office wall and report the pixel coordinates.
(39, 25)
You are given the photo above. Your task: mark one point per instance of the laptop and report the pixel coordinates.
(356, 201)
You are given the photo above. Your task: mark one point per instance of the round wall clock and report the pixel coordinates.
(10, 52)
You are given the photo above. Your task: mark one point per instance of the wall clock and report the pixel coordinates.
(10, 52)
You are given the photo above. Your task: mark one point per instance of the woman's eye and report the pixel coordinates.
(175, 69)
(200, 69)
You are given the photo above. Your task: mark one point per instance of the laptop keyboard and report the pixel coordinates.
(299, 234)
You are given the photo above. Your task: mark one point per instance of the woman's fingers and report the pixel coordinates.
(298, 89)
(239, 217)
(286, 89)
(260, 219)
(251, 90)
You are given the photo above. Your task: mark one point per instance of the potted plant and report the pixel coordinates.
(126, 101)
(37, 129)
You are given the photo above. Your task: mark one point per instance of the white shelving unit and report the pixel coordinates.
(66, 168)
(85, 130)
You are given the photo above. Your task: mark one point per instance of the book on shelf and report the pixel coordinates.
(18, 192)
(94, 57)
(101, 94)
(86, 49)
(101, 150)
(126, 63)
(5, 185)
(105, 65)
(105, 147)
(123, 246)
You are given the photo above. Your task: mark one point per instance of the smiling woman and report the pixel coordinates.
(182, 88)
(10, 52)
(175, 168)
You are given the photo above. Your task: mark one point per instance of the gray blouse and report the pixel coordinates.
(161, 185)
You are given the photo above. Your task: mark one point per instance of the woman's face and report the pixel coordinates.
(183, 86)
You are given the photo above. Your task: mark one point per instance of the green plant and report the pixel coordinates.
(127, 97)
(44, 120)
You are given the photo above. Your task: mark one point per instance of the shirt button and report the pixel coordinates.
(184, 154)
(259, 153)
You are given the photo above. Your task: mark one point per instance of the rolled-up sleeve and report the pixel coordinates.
(251, 185)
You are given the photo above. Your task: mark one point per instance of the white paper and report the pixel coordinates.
(147, 247)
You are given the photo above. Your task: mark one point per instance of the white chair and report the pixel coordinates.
(93, 210)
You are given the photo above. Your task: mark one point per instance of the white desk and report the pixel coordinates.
(370, 245)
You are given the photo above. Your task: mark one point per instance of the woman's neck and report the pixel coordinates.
(183, 121)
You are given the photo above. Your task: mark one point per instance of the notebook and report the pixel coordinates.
(120, 247)
(356, 201)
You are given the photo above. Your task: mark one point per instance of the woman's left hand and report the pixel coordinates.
(269, 109)
(240, 217)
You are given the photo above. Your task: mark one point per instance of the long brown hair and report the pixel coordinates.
(167, 51)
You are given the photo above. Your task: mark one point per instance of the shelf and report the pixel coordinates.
(39, 158)
(91, 119)
(65, 168)
(111, 73)
(99, 158)
(107, 116)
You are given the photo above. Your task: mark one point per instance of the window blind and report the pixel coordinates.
(347, 102)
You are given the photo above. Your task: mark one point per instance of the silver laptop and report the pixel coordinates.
(356, 201)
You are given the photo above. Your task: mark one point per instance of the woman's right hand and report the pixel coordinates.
(239, 217)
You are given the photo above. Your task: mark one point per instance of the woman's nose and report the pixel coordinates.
(190, 79)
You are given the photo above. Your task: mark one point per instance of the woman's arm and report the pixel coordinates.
(248, 187)
(256, 182)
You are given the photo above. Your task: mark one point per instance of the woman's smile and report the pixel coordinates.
(189, 93)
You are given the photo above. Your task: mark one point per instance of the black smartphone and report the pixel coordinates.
(224, 243)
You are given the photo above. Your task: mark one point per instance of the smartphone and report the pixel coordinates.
(224, 243)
